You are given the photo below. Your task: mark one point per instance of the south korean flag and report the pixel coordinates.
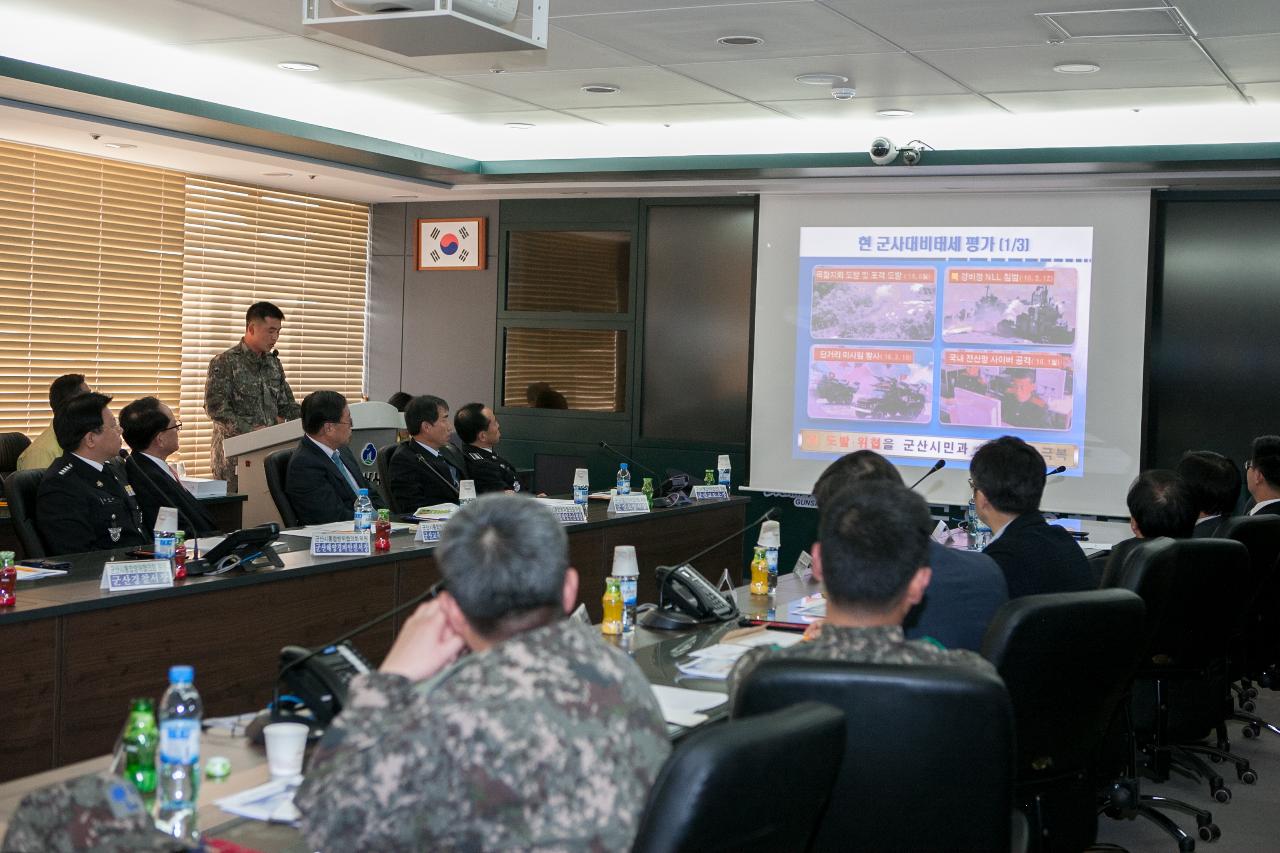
(451, 244)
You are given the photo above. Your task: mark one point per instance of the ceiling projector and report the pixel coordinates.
(497, 12)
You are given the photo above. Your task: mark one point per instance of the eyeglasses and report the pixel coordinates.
(1248, 463)
(342, 423)
(972, 487)
(178, 425)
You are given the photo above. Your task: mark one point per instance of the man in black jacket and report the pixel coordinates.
(1262, 475)
(1008, 481)
(1160, 504)
(82, 505)
(152, 431)
(1214, 481)
(478, 428)
(426, 469)
(323, 475)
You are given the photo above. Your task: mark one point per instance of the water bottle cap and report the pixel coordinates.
(624, 466)
(181, 674)
(364, 493)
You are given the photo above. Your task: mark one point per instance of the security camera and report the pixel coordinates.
(883, 152)
(911, 156)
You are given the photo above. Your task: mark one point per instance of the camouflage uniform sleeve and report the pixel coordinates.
(738, 675)
(219, 394)
(286, 405)
(365, 783)
(974, 660)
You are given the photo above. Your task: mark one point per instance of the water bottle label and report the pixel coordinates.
(165, 546)
(580, 495)
(180, 741)
(363, 520)
(722, 477)
(628, 584)
(624, 486)
(771, 558)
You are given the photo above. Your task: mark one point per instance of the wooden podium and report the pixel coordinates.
(373, 426)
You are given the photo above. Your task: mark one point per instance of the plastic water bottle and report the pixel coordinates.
(627, 572)
(178, 781)
(363, 512)
(624, 480)
(979, 532)
(581, 487)
(771, 541)
(723, 472)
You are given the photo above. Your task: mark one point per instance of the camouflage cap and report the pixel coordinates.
(96, 812)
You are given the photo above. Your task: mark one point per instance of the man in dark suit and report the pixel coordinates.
(152, 431)
(1214, 481)
(478, 428)
(426, 469)
(323, 475)
(82, 503)
(1262, 475)
(1160, 503)
(966, 588)
(1008, 477)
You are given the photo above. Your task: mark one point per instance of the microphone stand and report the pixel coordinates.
(937, 466)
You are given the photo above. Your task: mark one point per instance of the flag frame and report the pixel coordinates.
(425, 262)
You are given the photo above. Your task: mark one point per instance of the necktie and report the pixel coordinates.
(351, 481)
(173, 469)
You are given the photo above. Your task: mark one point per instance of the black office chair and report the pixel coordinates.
(929, 752)
(1257, 653)
(20, 487)
(11, 446)
(384, 477)
(720, 789)
(553, 472)
(277, 470)
(1067, 660)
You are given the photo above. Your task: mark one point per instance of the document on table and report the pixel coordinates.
(27, 573)
(716, 661)
(686, 707)
(341, 527)
(272, 802)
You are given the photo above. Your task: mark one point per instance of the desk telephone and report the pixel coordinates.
(318, 683)
(687, 592)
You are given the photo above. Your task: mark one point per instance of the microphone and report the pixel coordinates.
(705, 551)
(625, 458)
(1057, 470)
(937, 466)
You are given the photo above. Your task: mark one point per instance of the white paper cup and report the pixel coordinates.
(624, 560)
(286, 742)
(466, 491)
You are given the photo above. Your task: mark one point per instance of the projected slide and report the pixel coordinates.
(921, 344)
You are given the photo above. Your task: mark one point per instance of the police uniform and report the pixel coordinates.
(79, 508)
(882, 644)
(490, 471)
(549, 740)
(244, 390)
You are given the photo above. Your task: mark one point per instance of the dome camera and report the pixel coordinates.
(911, 156)
(883, 152)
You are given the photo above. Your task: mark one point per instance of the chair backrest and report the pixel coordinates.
(277, 471)
(929, 751)
(11, 446)
(1260, 534)
(20, 488)
(384, 477)
(1067, 660)
(553, 472)
(720, 788)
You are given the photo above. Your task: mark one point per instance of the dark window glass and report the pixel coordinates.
(579, 271)
(583, 369)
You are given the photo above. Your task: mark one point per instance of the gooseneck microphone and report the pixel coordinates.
(662, 570)
(937, 466)
(625, 458)
(1057, 470)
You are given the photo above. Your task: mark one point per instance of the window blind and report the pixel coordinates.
(90, 279)
(307, 255)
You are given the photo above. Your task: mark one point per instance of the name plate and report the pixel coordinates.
(710, 493)
(804, 567)
(429, 531)
(341, 545)
(575, 514)
(628, 504)
(133, 575)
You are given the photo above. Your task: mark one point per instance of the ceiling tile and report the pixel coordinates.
(1110, 99)
(873, 75)
(436, 95)
(1248, 59)
(336, 64)
(1030, 69)
(927, 107)
(562, 89)
(565, 8)
(1266, 94)
(281, 15)
(538, 118)
(164, 21)
(689, 35)
(1214, 18)
(676, 115)
(565, 52)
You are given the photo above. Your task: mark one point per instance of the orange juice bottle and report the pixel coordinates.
(759, 572)
(612, 623)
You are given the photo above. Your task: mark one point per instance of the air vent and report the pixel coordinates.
(1146, 22)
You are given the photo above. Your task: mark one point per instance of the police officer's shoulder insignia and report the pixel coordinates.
(476, 456)
(129, 490)
(64, 469)
(99, 484)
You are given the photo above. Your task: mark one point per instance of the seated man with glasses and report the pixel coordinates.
(1262, 475)
(152, 432)
(323, 475)
(1007, 476)
(84, 503)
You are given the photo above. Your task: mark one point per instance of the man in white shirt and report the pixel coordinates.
(152, 431)
(1262, 475)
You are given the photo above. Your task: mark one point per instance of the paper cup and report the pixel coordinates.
(286, 742)
(466, 491)
(624, 560)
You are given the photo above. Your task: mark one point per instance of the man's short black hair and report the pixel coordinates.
(1010, 473)
(1161, 504)
(400, 399)
(262, 311)
(141, 422)
(320, 408)
(859, 466)
(874, 536)
(63, 388)
(470, 421)
(1214, 481)
(422, 408)
(1265, 458)
(80, 415)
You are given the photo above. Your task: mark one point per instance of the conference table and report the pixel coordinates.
(76, 655)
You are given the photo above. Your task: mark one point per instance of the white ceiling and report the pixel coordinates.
(977, 74)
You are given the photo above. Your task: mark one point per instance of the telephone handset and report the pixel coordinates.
(319, 683)
(689, 592)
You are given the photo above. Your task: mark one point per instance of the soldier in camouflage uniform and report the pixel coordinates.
(245, 388)
(544, 736)
(873, 543)
(98, 812)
